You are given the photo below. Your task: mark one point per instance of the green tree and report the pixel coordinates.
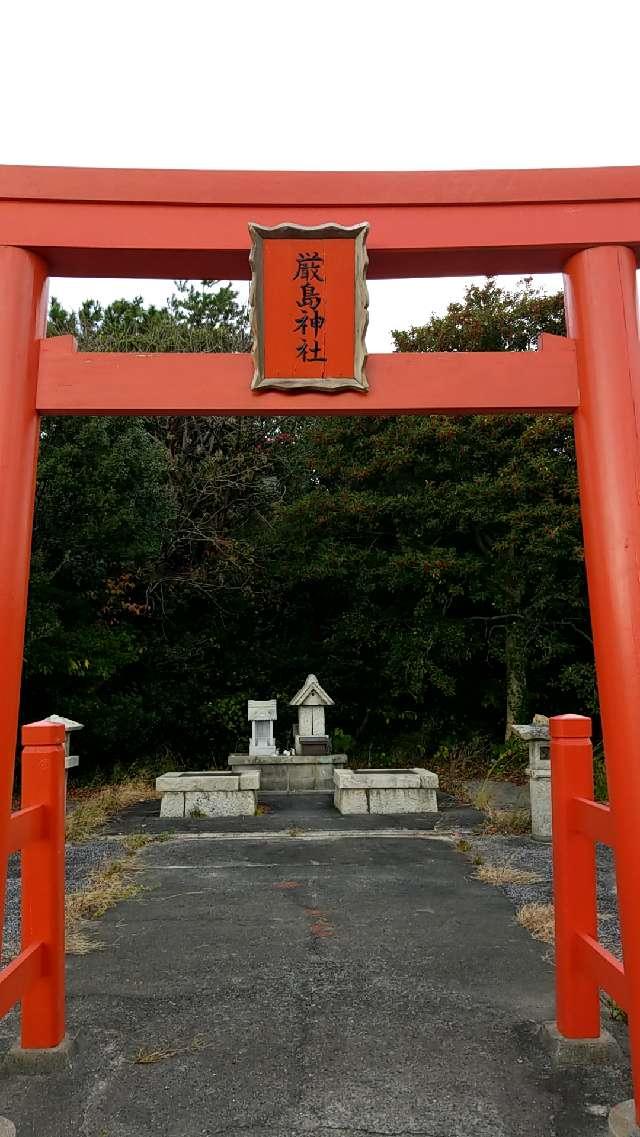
(142, 573)
(435, 564)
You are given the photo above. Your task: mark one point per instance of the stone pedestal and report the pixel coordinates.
(208, 794)
(290, 773)
(385, 791)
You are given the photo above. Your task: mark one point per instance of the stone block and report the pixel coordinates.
(7, 1128)
(290, 773)
(46, 1061)
(622, 1120)
(323, 778)
(274, 778)
(428, 780)
(189, 780)
(250, 780)
(383, 779)
(565, 1052)
(220, 803)
(387, 791)
(172, 805)
(350, 801)
(302, 777)
(406, 800)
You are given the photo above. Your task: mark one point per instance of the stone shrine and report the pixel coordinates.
(310, 768)
(262, 715)
(309, 736)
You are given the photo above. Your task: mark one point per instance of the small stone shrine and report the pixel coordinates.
(309, 735)
(310, 767)
(262, 715)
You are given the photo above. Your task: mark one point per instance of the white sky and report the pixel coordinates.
(273, 84)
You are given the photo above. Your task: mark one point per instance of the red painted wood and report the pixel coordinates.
(213, 241)
(22, 323)
(593, 819)
(44, 732)
(23, 972)
(42, 895)
(26, 825)
(286, 187)
(439, 383)
(607, 971)
(282, 288)
(194, 223)
(602, 313)
(574, 877)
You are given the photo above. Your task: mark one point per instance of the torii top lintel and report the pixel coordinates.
(193, 224)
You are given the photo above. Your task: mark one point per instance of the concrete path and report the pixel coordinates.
(314, 986)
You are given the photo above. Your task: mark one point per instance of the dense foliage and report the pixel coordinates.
(428, 569)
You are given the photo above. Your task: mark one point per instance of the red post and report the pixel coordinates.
(43, 1017)
(22, 322)
(574, 876)
(600, 288)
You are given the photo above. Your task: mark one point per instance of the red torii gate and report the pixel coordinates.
(144, 223)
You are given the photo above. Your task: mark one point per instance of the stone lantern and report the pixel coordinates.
(70, 760)
(536, 734)
(309, 735)
(262, 714)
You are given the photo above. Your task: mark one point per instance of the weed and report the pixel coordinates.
(615, 1011)
(463, 846)
(136, 841)
(537, 919)
(196, 813)
(601, 790)
(106, 887)
(505, 874)
(93, 808)
(295, 831)
(507, 822)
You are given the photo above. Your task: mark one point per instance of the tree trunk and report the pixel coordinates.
(515, 675)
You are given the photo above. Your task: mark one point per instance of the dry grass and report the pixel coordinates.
(106, 888)
(148, 1057)
(505, 874)
(95, 807)
(537, 919)
(507, 823)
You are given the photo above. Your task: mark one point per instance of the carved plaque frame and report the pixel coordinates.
(328, 231)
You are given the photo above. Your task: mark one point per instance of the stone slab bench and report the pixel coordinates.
(385, 791)
(290, 773)
(206, 793)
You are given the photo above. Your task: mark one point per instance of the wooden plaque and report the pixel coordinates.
(309, 306)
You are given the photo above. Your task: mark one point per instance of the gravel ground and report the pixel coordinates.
(80, 862)
(535, 856)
